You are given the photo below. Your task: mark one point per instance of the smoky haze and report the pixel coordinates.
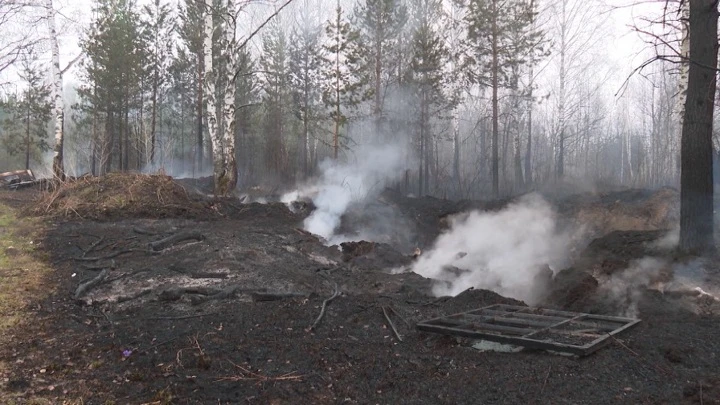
(504, 251)
(352, 183)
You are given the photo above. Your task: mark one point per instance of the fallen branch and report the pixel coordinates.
(390, 323)
(173, 239)
(126, 298)
(84, 287)
(268, 296)
(114, 255)
(336, 292)
(228, 292)
(142, 231)
(179, 318)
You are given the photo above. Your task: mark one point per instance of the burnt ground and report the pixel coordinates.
(225, 316)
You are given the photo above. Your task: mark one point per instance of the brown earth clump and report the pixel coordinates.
(117, 195)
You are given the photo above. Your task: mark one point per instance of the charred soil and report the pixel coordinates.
(182, 299)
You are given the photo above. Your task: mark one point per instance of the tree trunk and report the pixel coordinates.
(153, 118)
(226, 181)
(56, 93)
(27, 135)
(495, 72)
(560, 170)
(209, 96)
(696, 178)
(528, 152)
(199, 112)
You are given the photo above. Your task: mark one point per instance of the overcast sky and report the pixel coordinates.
(624, 48)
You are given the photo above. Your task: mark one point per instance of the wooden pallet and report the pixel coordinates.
(534, 328)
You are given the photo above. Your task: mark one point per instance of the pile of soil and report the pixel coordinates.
(627, 210)
(118, 195)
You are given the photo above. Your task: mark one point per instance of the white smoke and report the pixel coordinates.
(503, 251)
(625, 288)
(342, 184)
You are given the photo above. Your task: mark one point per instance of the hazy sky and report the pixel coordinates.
(623, 49)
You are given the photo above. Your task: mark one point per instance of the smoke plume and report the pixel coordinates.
(345, 184)
(503, 251)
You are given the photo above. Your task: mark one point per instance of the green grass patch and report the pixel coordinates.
(22, 269)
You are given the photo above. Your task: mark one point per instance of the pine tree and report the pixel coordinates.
(112, 71)
(503, 37)
(191, 32)
(276, 94)
(246, 98)
(304, 65)
(158, 26)
(26, 126)
(345, 86)
(381, 22)
(427, 79)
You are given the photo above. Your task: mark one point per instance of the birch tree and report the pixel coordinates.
(227, 181)
(209, 95)
(56, 92)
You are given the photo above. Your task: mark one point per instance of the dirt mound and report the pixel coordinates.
(628, 210)
(117, 195)
(372, 255)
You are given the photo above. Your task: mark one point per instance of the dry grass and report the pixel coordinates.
(22, 268)
(23, 276)
(118, 195)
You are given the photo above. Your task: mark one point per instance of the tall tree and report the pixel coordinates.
(304, 67)
(503, 36)
(380, 23)
(112, 71)
(56, 92)
(158, 27)
(226, 179)
(276, 95)
(25, 127)
(344, 88)
(696, 178)
(426, 77)
(191, 32)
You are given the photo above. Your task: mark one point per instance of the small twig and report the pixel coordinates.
(336, 292)
(249, 375)
(546, 380)
(84, 287)
(155, 346)
(93, 246)
(655, 366)
(392, 326)
(401, 317)
(173, 239)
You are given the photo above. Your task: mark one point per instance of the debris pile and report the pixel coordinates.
(120, 195)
